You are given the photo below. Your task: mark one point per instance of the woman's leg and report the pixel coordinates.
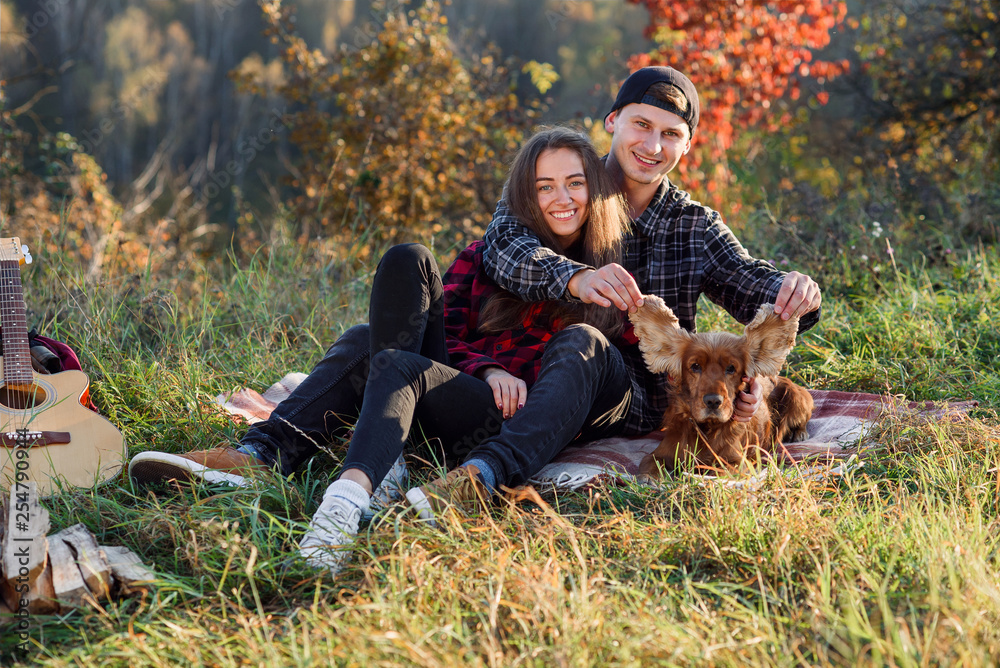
(583, 391)
(319, 410)
(405, 313)
(322, 408)
(449, 404)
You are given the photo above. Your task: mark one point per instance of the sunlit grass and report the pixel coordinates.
(896, 563)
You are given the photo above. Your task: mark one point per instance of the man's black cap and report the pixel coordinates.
(633, 91)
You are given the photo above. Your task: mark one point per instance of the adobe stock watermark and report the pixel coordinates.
(563, 11)
(18, 526)
(366, 34)
(223, 7)
(90, 140)
(40, 19)
(911, 7)
(246, 152)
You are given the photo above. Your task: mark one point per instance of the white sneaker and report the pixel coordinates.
(334, 526)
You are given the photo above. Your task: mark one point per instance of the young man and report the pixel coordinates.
(677, 249)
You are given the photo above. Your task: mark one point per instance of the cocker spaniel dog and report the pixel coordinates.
(706, 372)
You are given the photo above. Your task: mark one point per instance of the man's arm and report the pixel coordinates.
(740, 283)
(610, 285)
(517, 261)
(798, 296)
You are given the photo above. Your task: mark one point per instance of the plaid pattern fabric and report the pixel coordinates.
(466, 289)
(677, 249)
(837, 429)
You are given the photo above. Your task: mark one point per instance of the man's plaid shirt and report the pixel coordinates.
(677, 249)
(466, 289)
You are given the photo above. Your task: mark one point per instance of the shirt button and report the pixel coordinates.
(499, 347)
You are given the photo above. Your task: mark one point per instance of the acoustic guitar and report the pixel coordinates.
(47, 435)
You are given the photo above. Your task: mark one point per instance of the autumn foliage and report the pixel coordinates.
(744, 57)
(401, 133)
(67, 210)
(942, 115)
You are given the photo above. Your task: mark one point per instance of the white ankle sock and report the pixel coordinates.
(349, 491)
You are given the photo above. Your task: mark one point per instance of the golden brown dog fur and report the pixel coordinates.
(706, 373)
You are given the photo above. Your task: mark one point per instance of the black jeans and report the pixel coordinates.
(395, 371)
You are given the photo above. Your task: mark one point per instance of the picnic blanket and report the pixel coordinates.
(839, 422)
(838, 425)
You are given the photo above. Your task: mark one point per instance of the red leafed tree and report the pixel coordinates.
(743, 56)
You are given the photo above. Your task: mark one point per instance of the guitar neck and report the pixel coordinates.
(16, 353)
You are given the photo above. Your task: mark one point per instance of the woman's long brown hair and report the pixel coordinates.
(601, 243)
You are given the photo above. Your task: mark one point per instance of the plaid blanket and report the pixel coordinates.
(838, 425)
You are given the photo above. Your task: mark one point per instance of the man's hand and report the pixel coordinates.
(747, 401)
(611, 284)
(509, 391)
(799, 295)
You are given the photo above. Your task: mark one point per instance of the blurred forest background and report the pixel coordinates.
(144, 135)
(206, 186)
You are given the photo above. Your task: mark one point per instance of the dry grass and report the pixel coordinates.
(897, 563)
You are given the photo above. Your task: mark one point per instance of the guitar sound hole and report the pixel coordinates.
(20, 397)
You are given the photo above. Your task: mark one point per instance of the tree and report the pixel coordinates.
(396, 129)
(938, 122)
(68, 211)
(744, 56)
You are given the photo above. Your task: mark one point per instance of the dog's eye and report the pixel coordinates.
(730, 370)
(695, 368)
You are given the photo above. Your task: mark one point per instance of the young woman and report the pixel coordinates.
(472, 365)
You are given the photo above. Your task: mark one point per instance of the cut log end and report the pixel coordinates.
(130, 574)
(46, 574)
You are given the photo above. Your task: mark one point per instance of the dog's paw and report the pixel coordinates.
(797, 435)
(647, 479)
(651, 481)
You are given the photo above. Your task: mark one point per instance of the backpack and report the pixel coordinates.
(49, 355)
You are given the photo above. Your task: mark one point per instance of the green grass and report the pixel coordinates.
(898, 563)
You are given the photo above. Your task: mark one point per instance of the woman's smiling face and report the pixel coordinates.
(562, 192)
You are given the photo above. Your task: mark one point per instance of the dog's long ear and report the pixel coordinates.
(661, 338)
(769, 339)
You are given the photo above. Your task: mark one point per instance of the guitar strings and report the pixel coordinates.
(16, 352)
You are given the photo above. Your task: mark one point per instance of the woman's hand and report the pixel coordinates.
(509, 391)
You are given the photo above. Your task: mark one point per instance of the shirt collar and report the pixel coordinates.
(652, 217)
(648, 221)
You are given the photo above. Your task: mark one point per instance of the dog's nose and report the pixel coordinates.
(713, 401)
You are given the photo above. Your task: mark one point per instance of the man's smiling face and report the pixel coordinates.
(648, 142)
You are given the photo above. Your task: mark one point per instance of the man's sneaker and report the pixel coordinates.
(390, 490)
(220, 465)
(334, 526)
(460, 487)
